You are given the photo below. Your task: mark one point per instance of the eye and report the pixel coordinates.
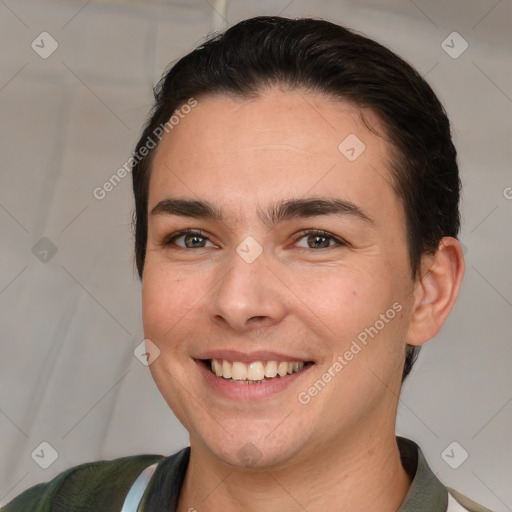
(192, 238)
(317, 239)
(196, 239)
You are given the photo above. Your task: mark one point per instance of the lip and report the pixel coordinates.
(245, 357)
(245, 391)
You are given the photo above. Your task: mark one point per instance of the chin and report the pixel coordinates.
(253, 448)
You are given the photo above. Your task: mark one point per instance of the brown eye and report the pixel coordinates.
(319, 239)
(192, 239)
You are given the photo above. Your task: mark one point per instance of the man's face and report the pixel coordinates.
(246, 291)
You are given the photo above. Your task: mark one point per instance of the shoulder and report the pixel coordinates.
(426, 487)
(457, 502)
(100, 485)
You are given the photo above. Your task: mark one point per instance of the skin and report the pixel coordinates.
(338, 452)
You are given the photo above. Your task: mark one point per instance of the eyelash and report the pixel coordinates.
(169, 241)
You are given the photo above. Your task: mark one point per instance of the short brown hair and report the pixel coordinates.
(320, 56)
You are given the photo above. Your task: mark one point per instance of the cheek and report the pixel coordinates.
(343, 297)
(167, 297)
(363, 305)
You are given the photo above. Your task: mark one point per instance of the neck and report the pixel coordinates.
(361, 473)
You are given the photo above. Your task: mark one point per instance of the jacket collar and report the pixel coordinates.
(426, 494)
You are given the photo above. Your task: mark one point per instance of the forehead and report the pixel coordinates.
(279, 144)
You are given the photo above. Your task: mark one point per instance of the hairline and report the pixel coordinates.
(395, 165)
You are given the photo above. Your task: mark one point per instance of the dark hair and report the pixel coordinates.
(319, 56)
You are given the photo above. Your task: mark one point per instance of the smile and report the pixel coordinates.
(252, 380)
(255, 372)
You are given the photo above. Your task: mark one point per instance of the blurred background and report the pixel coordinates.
(76, 82)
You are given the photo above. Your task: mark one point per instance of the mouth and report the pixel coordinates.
(256, 372)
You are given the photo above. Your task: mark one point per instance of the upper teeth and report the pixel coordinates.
(257, 370)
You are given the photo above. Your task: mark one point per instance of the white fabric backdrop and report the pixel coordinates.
(69, 321)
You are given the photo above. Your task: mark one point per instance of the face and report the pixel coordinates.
(270, 275)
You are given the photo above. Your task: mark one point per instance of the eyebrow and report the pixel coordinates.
(280, 212)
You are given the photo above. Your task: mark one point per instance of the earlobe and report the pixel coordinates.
(436, 291)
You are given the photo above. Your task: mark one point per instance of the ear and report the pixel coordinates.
(436, 290)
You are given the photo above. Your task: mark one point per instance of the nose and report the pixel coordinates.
(249, 296)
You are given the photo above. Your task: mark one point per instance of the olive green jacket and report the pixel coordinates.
(151, 483)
